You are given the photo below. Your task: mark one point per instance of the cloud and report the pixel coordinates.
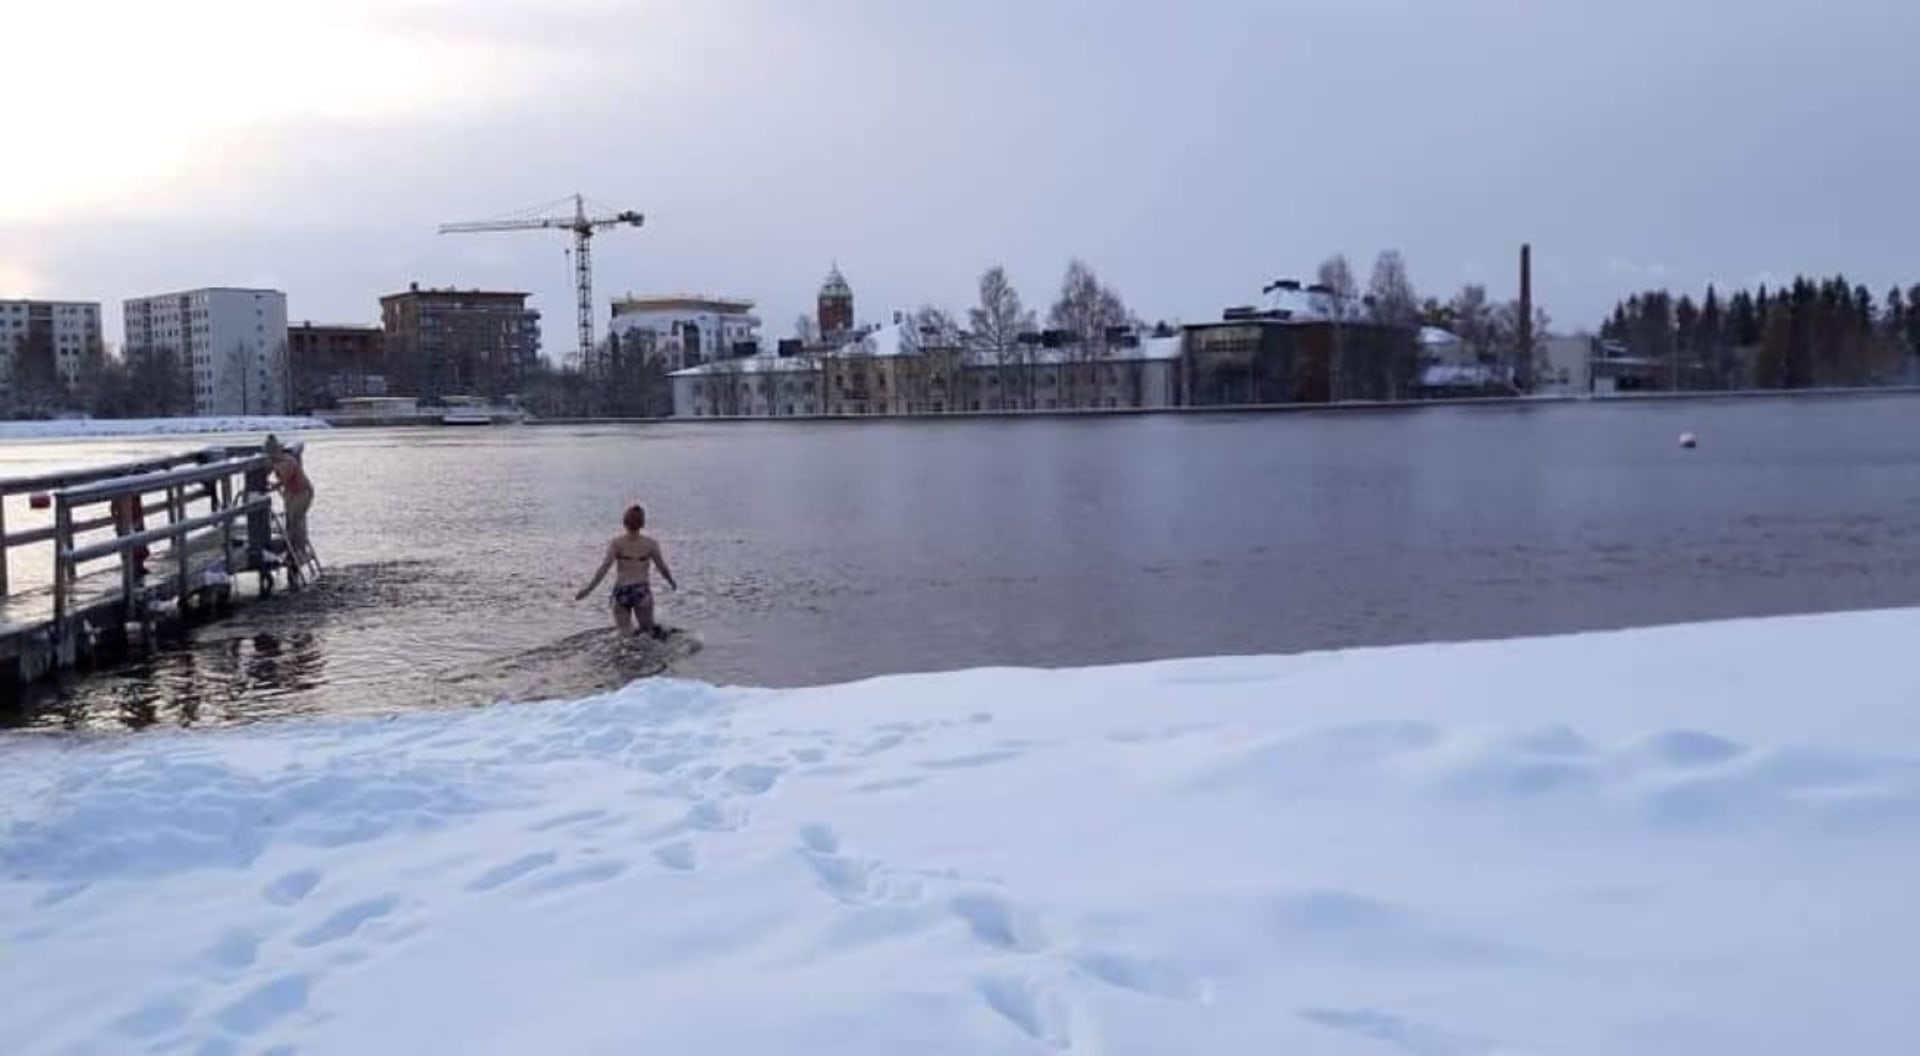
(1187, 156)
(172, 98)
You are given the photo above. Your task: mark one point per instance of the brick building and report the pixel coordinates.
(458, 342)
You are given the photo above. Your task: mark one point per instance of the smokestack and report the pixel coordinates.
(1523, 370)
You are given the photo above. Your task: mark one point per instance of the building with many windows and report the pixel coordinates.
(1302, 345)
(44, 348)
(458, 342)
(329, 363)
(893, 371)
(230, 343)
(685, 331)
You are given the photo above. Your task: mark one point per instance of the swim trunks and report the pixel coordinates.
(632, 595)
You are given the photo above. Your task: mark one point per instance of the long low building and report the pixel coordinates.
(889, 372)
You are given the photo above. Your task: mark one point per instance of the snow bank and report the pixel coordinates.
(67, 428)
(1686, 840)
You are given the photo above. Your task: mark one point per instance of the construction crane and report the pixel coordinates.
(583, 228)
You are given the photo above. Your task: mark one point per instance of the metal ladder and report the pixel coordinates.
(300, 570)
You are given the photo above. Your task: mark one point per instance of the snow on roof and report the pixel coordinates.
(887, 342)
(1433, 335)
(762, 363)
(1308, 304)
(1441, 375)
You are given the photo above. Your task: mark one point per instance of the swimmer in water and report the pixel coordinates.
(633, 553)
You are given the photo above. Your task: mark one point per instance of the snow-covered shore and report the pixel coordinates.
(1689, 840)
(80, 428)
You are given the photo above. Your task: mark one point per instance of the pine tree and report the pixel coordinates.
(1712, 338)
(1772, 362)
(1913, 320)
(1686, 342)
(1743, 321)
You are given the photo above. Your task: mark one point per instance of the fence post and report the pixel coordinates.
(225, 500)
(5, 588)
(62, 563)
(177, 515)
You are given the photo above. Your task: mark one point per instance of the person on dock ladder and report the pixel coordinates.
(130, 519)
(296, 492)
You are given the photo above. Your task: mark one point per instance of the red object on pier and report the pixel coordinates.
(40, 500)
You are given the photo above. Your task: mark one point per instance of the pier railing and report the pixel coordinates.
(195, 494)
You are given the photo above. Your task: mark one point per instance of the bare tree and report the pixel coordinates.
(1087, 312)
(728, 387)
(1504, 336)
(996, 324)
(807, 331)
(1473, 320)
(1336, 275)
(939, 369)
(1337, 299)
(1394, 302)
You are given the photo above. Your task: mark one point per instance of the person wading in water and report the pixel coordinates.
(634, 553)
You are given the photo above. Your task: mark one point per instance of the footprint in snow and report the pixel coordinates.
(968, 762)
(580, 876)
(158, 1016)
(999, 922)
(509, 871)
(889, 784)
(233, 951)
(710, 816)
(345, 921)
(1152, 976)
(677, 855)
(1389, 1029)
(572, 819)
(291, 888)
(1034, 1009)
(752, 779)
(266, 1005)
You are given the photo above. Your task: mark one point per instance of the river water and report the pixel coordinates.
(823, 551)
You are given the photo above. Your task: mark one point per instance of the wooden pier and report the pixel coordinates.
(135, 550)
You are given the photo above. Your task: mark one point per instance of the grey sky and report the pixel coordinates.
(1189, 153)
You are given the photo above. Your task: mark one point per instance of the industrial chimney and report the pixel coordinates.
(1523, 369)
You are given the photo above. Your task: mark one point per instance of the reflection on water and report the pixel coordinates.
(212, 680)
(268, 660)
(815, 552)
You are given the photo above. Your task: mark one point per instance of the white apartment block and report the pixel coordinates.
(44, 340)
(685, 331)
(232, 342)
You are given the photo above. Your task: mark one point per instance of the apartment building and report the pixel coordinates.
(230, 342)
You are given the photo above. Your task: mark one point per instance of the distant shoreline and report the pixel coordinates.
(1265, 408)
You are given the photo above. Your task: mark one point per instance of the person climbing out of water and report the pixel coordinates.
(296, 492)
(633, 553)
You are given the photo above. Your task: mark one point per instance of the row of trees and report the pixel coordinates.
(106, 386)
(1811, 333)
(158, 384)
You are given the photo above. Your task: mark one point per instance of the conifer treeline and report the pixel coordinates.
(1811, 334)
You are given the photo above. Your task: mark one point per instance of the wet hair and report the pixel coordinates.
(635, 518)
